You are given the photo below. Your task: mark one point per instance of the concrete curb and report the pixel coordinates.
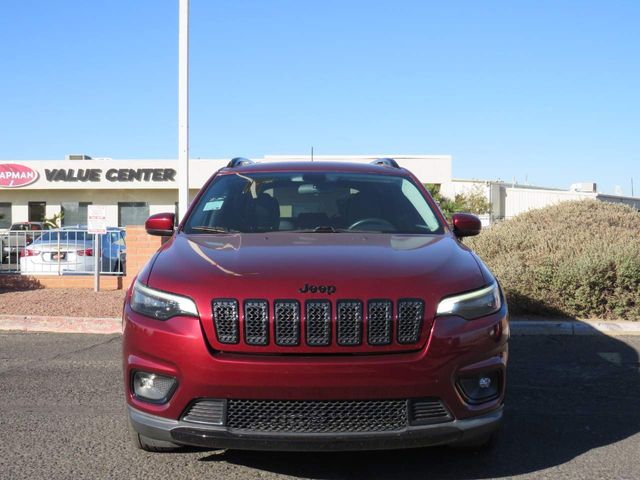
(34, 323)
(573, 327)
(518, 326)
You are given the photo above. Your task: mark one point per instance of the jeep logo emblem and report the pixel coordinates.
(328, 289)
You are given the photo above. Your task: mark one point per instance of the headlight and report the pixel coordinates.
(478, 303)
(160, 305)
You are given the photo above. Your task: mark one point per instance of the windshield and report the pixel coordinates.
(314, 202)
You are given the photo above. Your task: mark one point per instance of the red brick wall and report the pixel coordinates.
(140, 247)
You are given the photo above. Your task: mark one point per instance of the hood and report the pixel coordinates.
(278, 265)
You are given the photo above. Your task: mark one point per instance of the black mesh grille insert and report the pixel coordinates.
(379, 317)
(318, 322)
(410, 314)
(256, 322)
(349, 322)
(225, 319)
(287, 322)
(330, 416)
(428, 410)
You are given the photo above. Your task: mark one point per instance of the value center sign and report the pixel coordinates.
(97, 219)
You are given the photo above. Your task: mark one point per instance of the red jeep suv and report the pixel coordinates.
(314, 306)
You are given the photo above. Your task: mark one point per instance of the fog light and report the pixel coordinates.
(152, 387)
(480, 388)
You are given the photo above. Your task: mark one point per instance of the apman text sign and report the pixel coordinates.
(13, 175)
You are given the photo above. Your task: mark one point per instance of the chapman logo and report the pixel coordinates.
(13, 175)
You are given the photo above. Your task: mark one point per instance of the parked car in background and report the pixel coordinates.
(71, 250)
(18, 236)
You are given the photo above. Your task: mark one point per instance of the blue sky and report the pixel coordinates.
(547, 91)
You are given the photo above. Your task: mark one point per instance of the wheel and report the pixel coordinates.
(483, 442)
(151, 445)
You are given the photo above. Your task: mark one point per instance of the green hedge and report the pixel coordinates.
(578, 259)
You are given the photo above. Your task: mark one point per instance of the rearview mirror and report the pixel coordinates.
(160, 224)
(466, 225)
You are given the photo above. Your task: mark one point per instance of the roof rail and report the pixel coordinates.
(386, 162)
(238, 162)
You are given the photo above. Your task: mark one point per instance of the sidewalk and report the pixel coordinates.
(518, 325)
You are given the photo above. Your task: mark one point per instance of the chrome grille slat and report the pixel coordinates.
(286, 317)
(225, 319)
(256, 322)
(410, 315)
(318, 322)
(349, 322)
(379, 321)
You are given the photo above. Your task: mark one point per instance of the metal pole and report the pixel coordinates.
(96, 263)
(183, 108)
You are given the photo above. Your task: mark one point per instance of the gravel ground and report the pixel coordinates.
(69, 302)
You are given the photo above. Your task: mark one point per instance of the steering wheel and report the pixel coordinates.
(373, 223)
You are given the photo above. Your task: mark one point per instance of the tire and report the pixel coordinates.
(149, 444)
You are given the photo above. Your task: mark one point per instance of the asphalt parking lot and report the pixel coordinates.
(572, 412)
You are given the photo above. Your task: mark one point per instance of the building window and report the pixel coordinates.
(132, 213)
(74, 213)
(37, 211)
(5, 215)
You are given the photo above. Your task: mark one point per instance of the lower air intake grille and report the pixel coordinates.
(225, 318)
(410, 313)
(287, 322)
(379, 318)
(331, 416)
(208, 412)
(428, 410)
(318, 322)
(256, 322)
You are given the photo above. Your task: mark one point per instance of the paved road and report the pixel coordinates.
(573, 412)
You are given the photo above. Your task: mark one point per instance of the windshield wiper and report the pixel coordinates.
(318, 229)
(208, 229)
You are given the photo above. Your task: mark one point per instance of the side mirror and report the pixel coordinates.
(160, 224)
(466, 225)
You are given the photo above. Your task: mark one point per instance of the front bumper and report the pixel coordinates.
(185, 433)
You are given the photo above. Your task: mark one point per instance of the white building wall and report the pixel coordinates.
(519, 200)
(158, 194)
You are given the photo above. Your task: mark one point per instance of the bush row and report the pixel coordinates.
(577, 259)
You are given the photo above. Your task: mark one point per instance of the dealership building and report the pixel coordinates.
(131, 190)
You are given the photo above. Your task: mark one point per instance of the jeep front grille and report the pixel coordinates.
(225, 318)
(317, 416)
(286, 315)
(379, 318)
(319, 323)
(410, 313)
(349, 322)
(256, 322)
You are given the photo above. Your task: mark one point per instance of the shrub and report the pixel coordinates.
(578, 259)
(473, 201)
